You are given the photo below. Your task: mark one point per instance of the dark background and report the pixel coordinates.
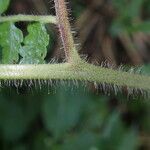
(62, 116)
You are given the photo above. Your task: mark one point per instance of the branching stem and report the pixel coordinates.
(83, 72)
(75, 68)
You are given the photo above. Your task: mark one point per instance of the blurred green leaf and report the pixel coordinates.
(61, 112)
(82, 141)
(12, 120)
(42, 141)
(112, 132)
(16, 115)
(112, 125)
(140, 27)
(79, 6)
(20, 147)
(127, 19)
(128, 9)
(130, 141)
(34, 50)
(145, 69)
(3, 5)
(95, 112)
(10, 40)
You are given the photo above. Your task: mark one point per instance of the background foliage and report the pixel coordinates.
(63, 117)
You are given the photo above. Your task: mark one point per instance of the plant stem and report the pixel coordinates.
(65, 31)
(75, 69)
(83, 72)
(20, 17)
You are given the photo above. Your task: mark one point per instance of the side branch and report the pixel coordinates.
(82, 72)
(20, 17)
(65, 31)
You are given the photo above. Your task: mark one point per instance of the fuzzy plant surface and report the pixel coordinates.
(23, 58)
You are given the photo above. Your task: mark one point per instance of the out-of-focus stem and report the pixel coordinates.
(20, 17)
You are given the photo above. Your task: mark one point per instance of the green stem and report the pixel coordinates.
(17, 18)
(66, 71)
(65, 32)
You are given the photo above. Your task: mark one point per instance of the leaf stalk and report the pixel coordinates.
(16, 18)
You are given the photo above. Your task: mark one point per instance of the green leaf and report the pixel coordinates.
(140, 27)
(12, 120)
(3, 5)
(35, 43)
(10, 41)
(17, 114)
(20, 147)
(61, 112)
(112, 125)
(42, 141)
(84, 140)
(130, 141)
(145, 69)
(112, 132)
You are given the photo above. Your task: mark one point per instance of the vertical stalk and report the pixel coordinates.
(65, 31)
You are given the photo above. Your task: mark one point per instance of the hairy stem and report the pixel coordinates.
(16, 18)
(75, 68)
(65, 31)
(83, 72)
